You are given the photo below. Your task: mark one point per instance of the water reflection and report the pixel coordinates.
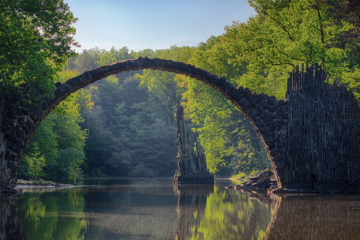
(142, 210)
(336, 217)
(10, 227)
(191, 208)
(217, 214)
(151, 210)
(56, 216)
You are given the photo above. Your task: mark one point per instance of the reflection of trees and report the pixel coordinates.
(10, 227)
(308, 217)
(220, 214)
(56, 216)
(35, 211)
(191, 208)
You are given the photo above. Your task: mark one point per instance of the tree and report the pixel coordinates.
(70, 161)
(283, 35)
(35, 40)
(36, 163)
(231, 146)
(163, 90)
(85, 62)
(46, 140)
(74, 172)
(344, 11)
(60, 131)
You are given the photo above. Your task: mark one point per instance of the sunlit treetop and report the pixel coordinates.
(35, 40)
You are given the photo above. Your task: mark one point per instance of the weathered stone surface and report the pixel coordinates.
(11, 164)
(21, 134)
(44, 104)
(26, 111)
(34, 116)
(58, 92)
(12, 114)
(8, 121)
(26, 129)
(191, 165)
(65, 87)
(38, 111)
(11, 133)
(322, 149)
(261, 181)
(30, 124)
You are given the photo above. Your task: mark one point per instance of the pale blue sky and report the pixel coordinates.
(154, 24)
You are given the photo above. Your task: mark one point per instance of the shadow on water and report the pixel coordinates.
(148, 210)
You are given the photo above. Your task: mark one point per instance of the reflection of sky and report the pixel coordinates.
(155, 24)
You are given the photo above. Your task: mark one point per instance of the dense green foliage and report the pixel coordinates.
(124, 125)
(35, 42)
(35, 162)
(60, 139)
(285, 34)
(36, 39)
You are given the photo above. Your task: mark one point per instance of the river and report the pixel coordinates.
(154, 209)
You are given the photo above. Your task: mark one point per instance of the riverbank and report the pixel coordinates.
(23, 184)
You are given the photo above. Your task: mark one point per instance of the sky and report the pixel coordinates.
(153, 24)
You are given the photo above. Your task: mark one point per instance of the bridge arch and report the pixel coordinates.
(267, 116)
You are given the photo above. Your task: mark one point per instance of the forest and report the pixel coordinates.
(124, 125)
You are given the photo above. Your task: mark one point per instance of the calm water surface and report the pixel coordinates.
(153, 209)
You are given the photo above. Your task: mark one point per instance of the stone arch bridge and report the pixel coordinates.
(311, 138)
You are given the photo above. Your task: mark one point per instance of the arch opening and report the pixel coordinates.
(265, 114)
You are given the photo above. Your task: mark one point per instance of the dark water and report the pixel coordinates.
(153, 209)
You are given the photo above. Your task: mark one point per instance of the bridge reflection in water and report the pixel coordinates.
(202, 213)
(256, 216)
(311, 217)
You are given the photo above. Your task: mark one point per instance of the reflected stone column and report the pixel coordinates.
(10, 227)
(191, 207)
